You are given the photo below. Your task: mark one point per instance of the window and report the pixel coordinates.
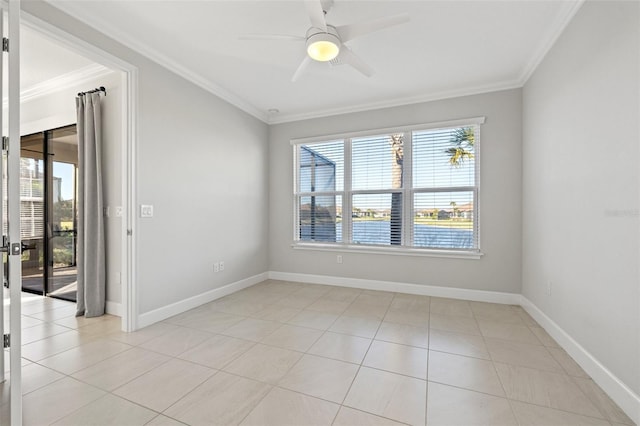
(413, 188)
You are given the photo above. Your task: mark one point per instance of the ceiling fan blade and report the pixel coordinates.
(316, 14)
(303, 65)
(347, 56)
(326, 5)
(284, 37)
(351, 31)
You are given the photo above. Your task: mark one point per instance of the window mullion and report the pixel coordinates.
(347, 199)
(407, 191)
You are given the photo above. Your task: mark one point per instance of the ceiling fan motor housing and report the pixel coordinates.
(323, 46)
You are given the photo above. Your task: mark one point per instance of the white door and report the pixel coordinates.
(10, 211)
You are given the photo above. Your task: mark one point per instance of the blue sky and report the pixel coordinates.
(65, 172)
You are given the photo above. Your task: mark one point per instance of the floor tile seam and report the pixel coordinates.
(104, 396)
(45, 337)
(495, 370)
(163, 362)
(360, 364)
(431, 312)
(379, 415)
(295, 350)
(403, 344)
(64, 376)
(424, 379)
(454, 332)
(43, 323)
(113, 392)
(222, 368)
(163, 412)
(104, 393)
(561, 370)
(308, 394)
(74, 372)
(327, 312)
(560, 409)
(500, 321)
(426, 327)
(53, 354)
(164, 415)
(595, 404)
(555, 408)
(437, 382)
(426, 393)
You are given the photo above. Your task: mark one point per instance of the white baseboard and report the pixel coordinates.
(620, 393)
(420, 289)
(168, 311)
(114, 308)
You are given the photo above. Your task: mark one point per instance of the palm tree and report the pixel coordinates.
(462, 140)
(397, 155)
(454, 206)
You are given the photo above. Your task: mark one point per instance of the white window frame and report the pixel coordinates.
(406, 248)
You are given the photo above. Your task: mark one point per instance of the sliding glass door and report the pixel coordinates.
(48, 210)
(62, 212)
(32, 211)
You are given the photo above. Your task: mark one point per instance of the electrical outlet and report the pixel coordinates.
(339, 258)
(222, 265)
(118, 211)
(146, 210)
(548, 288)
(216, 267)
(105, 211)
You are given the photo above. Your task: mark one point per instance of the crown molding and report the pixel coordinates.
(369, 106)
(64, 81)
(557, 28)
(565, 16)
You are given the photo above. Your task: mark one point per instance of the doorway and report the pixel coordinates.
(48, 212)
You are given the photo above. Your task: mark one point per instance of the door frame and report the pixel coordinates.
(129, 116)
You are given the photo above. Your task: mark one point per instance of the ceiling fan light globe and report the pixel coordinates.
(323, 47)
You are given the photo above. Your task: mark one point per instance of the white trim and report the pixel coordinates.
(129, 288)
(184, 305)
(399, 102)
(565, 16)
(65, 81)
(246, 106)
(620, 393)
(13, 214)
(396, 251)
(409, 288)
(129, 115)
(114, 308)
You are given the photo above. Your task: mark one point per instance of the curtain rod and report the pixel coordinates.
(97, 89)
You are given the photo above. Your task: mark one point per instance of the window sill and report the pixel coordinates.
(399, 251)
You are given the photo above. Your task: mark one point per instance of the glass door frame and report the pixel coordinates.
(47, 246)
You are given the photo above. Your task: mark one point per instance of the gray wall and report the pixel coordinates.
(581, 221)
(500, 198)
(202, 163)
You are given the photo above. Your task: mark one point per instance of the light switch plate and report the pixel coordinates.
(146, 210)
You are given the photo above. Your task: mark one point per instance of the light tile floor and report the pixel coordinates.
(282, 353)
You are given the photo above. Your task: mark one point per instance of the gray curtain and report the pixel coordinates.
(91, 245)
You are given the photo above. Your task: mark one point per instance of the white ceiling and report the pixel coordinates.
(42, 60)
(449, 48)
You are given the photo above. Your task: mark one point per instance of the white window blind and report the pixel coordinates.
(414, 188)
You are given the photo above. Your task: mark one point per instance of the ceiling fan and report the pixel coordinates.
(326, 43)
